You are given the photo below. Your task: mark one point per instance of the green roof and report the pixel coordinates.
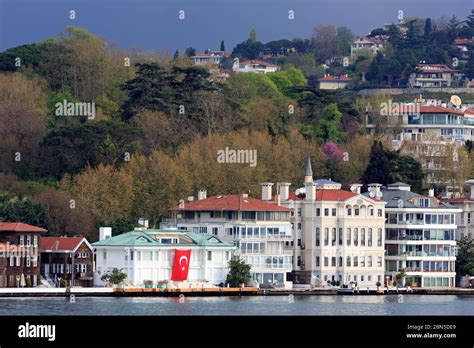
(146, 238)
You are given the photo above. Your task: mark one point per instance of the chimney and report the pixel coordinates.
(202, 194)
(143, 222)
(278, 199)
(356, 188)
(266, 191)
(431, 192)
(375, 189)
(283, 189)
(310, 190)
(105, 233)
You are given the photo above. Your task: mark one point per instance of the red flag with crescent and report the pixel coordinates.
(181, 264)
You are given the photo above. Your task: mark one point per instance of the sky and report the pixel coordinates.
(154, 24)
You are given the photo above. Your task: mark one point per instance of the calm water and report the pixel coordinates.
(274, 305)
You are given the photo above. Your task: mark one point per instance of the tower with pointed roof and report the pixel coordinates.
(308, 170)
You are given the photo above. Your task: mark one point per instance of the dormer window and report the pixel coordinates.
(424, 202)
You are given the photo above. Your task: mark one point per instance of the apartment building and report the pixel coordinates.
(260, 230)
(338, 233)
(464, 218)
(435, 75)
(255, 66)
(420, 236)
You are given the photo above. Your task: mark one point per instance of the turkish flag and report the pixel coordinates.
(181, 264)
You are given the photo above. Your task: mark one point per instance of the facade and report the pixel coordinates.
(464, 218)
(434, 75)
(333, 82)
(255, 66)
(70, 259)
(19, 254)
(210, 57)
(419, 237)
(370, 44)
(338, 233)
(260, 230)
(147, 255)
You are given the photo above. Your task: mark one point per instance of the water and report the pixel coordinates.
(258, 305)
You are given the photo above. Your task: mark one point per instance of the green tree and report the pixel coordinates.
(428, 27)
(378, 169)
(253, 35)
(464, 257)
(116, 276)
(239, 273)
(222, 46)
(27, 211)
(190, 51)
(328, 128)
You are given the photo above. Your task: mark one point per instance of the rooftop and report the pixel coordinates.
(19, 227)
(60, 243)
(150, 238)
(230, 203)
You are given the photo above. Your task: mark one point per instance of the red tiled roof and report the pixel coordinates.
(19, 227)
(60, 243)
(258, 62)
(335, 78)
(469, 112)
(441, 68)
(439, 110)
(231, 203)
(459, 199)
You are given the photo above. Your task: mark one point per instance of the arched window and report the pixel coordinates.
(348, 261)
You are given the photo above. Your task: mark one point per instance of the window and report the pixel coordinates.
(333, 239)
(299, 211)
(35, 241)
(209, 256)
(326, 211)
(34, 261)
(348, 261)
(326, 261)
(379, 212)
(356, 211)
(12, 261)
(318, 212)
(348, 236)
(299, 226)
(215, 231)
(356, 236)
(227, 255)
(362, 261)
(22, 240)
(349, 212)
(369, 237)
(341, 263)
(379, 237)
(18, 261)
(356, 262)
(28, 240)
(340, 236)
(317, 261)
(379, 261)
(104, 255)
(326, 236)
(333, 261)
(371, 211)
(362, 237)
(318, 236)
(28, 261)
(333, 211)
(369, 261)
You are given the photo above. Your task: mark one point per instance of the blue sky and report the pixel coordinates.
(154, 24)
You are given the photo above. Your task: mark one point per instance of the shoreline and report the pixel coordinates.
(216, 292)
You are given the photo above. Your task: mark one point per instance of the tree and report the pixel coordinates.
(190, 52)
(239, 273)
(26, 211)
(325, 42)
(116, 276)
(378, 169)
(253, 35)
(176, 55)
(248, 49)
(222, 46)
(428, 27)
(328, 128)
(464, 257)
(401, 275)
(345, 38)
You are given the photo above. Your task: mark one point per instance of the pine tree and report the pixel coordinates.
(222, 46)
(428, 27)
(378, 170)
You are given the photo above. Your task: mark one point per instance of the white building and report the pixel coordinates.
(260, 230)
(256, 66)
(419, 237)
(339, 234)
(435, 75)
(369, 44)
(148, 255)
(465, 218)
(210, 57)
(334, 82)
